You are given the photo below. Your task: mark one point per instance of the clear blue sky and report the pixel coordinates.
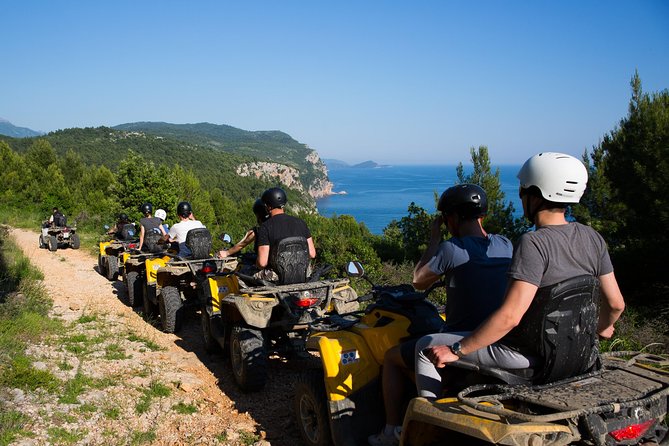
(397, 82)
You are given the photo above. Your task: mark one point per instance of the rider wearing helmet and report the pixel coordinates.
(260, 211)
(279, 226)
(149, 225)
(123, 229)
(556, 251)
(473, 264)
(178, 231)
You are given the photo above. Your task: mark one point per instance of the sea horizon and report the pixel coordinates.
(376, 196)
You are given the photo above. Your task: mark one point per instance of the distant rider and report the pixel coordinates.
(279, 226)
(149, 225)
(473, 264)
(57, 218)
(122, 229)
(179, 231)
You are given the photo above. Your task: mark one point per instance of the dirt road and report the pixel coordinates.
(100, 324)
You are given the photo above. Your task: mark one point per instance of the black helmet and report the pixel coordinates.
(123, 218)
(260, 210)
(274, 197)
(466, 200)
(146, 208)
(184, 209)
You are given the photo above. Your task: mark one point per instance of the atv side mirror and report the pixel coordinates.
(225, 238)
(355, 269)
(107, 227)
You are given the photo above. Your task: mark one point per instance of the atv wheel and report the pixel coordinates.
(53, 243)
(133, 288)
(211, 345)
(169, 304)
(248, 357)
(310, 409)
(75, 242)
(148, 294)
(111, 267)
(42, 245)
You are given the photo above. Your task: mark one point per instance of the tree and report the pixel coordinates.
(500, 218)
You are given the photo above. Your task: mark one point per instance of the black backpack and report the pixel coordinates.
(59, 219)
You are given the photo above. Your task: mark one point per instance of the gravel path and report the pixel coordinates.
(115, 350)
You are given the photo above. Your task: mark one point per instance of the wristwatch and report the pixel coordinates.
(456, 348)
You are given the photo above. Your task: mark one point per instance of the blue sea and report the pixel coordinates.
(376, 196)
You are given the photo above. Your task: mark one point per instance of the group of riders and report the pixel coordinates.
(490, 283)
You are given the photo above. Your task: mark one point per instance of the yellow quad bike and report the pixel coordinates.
(110, 252)
(574, 396)
(134, 267)
(174, 283)
(341, 403)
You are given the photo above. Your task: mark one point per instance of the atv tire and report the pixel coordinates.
(101, 266)
(169, 305)
(248, 357)
(133, 289)
(211, 345)
(148, 303)
(53, 243)
(310, 409)
(75, 242)
(111, 267)
(42, 245)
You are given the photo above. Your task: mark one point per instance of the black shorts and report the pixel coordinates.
(408, 353)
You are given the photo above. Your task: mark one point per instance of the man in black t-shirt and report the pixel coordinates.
(279, 226)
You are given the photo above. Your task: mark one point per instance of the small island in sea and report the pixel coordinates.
(338, 164)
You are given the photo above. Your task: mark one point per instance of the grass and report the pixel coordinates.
(21, 374)
(155, 390)
(184, 409)
(139, 437)
(132, 337)
(74, 388)
(59, 435)
(248, 438)
(114, 352)
(11, 425)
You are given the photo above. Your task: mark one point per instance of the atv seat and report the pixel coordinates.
(564, 318)
(152, 240)
(290, 260)
(198, 241)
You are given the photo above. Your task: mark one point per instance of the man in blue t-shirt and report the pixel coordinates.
(474, 265)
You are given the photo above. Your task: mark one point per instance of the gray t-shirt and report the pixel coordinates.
(475, 273)
(552, 254)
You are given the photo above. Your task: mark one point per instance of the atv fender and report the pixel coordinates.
(152, 266)
(217, 288)
(255, 309)
(103, 248)
(446, 420)
(348, 364)
(171, 274)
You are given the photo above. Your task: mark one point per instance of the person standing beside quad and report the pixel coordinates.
(149, 224)
(557, 251)
(279, 226)
(178, 231)
(474, 265)
(262, 215)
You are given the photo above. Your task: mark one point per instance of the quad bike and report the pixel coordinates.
(53, 237)
(341, 403)
(111, 253)
(174, 283)
(134, 267)
(602, 400)
(252, 318)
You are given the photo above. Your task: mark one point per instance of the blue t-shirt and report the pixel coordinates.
(475, 271)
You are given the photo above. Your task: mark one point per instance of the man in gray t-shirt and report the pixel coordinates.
(556, 251)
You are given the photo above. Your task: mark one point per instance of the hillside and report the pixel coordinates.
(240, 163)
(9, 129)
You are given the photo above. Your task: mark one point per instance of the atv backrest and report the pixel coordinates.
(126, 232)
(566, 316)
(152, 239)
(290, 260)
(198, 241)
(59, 220)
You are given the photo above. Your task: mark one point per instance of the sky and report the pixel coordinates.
(397, 82)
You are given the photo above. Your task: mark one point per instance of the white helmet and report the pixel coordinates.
(161, 214)
(561, 178)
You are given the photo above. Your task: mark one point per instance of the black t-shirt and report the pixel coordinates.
(279, 227)
(150, 223)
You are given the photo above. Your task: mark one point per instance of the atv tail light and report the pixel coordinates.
(208, 268)
(306, 302)
(66, 229)
(632, 431)
(132, 246)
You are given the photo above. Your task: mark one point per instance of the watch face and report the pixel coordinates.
(455, 348)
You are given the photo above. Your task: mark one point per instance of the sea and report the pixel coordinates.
(376, 196)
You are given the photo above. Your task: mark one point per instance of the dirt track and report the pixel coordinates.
(224, 414)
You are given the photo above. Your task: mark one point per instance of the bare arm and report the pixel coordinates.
(423, 276)
(141, 237)
(312, 248)
(263, 256)
(611, 306)
(244, 242)
(517, 300)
